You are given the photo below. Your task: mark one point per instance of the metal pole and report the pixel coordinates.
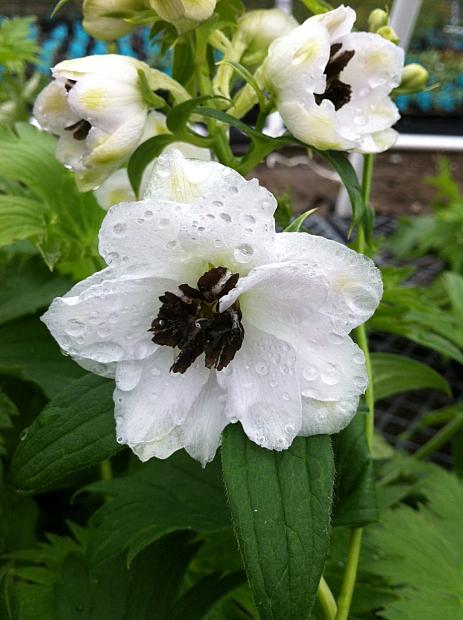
(404, 14)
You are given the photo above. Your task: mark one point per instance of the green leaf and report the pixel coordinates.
(180, 115)
(343, 167)
(420, 549)
(144, 155)
(150, 98)
(318, 6)
(20, 218)
(295, 225)
(27, 286)
(75, 431)
(249, 79)
(281, 505)
(162, 496)
(146, 591)
(16, 45)
(28, 351)
(393, 374)
(8, 410)
(355, 503)
(453, 283)
(58, 6)
(206, 593)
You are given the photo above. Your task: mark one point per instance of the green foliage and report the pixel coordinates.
(8, 411)
(73, 432)
(60, 221)
(16, 46)
(440, 233)
(159, 497)
(394, 374)
(355, 503)
(280, 504)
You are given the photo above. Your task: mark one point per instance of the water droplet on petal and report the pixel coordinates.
(243, 253)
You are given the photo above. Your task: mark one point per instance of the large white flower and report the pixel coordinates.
(117, 187)
(205, 316)
(332, 85)
(96, 107)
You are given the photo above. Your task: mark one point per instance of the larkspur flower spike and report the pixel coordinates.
(206, 316)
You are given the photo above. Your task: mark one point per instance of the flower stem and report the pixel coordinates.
(350, 575)
(355, 543)
(440, 438)
(326, 600)
(106, 472)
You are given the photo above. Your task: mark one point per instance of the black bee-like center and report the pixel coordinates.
(191, 322)
(336, 91)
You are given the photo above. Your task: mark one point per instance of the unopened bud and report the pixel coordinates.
(261, 27)
(183, 14)
(389, 34)
(414, 78)
(377, 19)
(99, 25)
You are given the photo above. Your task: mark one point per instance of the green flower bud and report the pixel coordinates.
(183, 14)
(414, 78)
(98, 25)
(377, 19)
(389, 34)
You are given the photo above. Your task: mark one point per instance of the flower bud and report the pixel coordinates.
(377, 19)
(98, 25)
(259, 28)
(414, 78)
(183, 14)
(389, 34)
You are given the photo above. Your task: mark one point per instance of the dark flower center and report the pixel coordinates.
(80, 129)
(336, 91)
(193, 323)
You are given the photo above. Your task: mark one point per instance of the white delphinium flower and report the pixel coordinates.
(98, 25)
(332, 85)
(96, 107)
(183, 14)
(117, 187)
(205, 316)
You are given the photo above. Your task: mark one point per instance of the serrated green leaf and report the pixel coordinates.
(295, 225)
(162, 496)
(355, 502)
(21, 218)
(26, 286)
(393, 374)
(75, 430)
(28, 351)
(16, 45)
(281, 506)
(8, 410)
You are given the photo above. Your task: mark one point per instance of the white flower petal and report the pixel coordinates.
(107, 321)
(366, 116)
(354, 283)
(112, 66)
(326, 418)
(115, 189)
(263, 390)
(331, 365)
(314, 124)
(202, 429)
(376, 65)
(106, 103)
(52, 110)
(378, 142)
(149, 416)
(338, 22)
(230, 225)
(277, 298)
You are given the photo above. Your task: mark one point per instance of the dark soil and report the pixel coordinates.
(398, 182)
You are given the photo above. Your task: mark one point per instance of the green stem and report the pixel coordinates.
(350, 575)
(355, 543)
(326, 600)
(440, 438)
(106, 472)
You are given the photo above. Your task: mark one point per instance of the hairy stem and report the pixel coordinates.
(355, 543)
(106, 472)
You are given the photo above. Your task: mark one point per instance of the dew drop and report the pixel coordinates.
(75, 328)
(164, 222)
(309, 372)
(289, 428)
(148, 214)
(335, 338)
(262, 368)
(119, 229)
(243, 253)
(226, 217)
(23, 434)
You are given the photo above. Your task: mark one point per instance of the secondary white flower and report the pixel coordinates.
(332, 85)
(183, 14)
(108, 28)
(96, 107)
(205, 316)
(117, 187)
